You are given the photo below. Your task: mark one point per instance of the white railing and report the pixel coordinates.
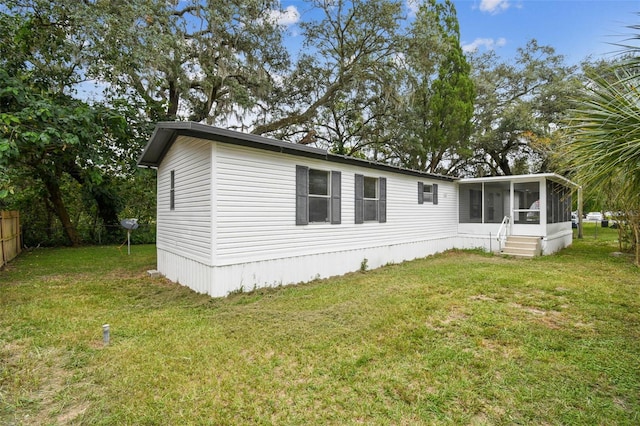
(531, 216)
(503, 231)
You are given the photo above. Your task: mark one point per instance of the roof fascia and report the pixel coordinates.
(166, 133)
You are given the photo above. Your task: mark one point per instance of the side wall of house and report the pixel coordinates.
(256, 209)
(184, 241)
(257, 241)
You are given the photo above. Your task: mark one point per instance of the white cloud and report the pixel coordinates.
(487, 43)
(286, 17)
(413, 6)
(494, 6)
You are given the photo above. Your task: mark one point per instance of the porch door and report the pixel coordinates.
(526, 213)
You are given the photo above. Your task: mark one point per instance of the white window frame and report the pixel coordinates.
(303, 197)
(375, 200)
(427, 193)
(326, 196)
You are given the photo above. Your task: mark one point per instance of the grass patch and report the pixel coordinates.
(457, 338)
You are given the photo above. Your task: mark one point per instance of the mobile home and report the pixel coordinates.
(237, 211)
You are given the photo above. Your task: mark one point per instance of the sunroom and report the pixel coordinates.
(520, 215)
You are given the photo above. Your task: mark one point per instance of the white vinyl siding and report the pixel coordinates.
(185, 228)
(254, 225)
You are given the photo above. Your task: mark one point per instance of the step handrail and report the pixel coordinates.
(503, 231)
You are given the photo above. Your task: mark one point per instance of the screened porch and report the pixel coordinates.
(526, 205)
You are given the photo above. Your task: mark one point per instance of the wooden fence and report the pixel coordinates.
(10, 245)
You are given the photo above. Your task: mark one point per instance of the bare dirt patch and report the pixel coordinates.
(38, 376)
(551, 319)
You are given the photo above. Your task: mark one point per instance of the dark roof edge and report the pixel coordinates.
(166, 133)
(386, 167)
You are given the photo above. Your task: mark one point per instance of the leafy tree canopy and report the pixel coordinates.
(602, 148)
(44, 135)
(518, 106)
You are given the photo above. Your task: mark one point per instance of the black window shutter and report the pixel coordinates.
(435, 193)
(336, 188)
(382, 200)
(359, 199)
(172, 191)
(302, 195)
(420, 193)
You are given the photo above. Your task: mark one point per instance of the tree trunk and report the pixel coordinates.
(501, 163)
(55, 196)
(174, 99)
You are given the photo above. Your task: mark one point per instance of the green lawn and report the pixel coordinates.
(457, 338)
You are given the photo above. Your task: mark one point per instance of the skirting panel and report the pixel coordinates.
(488, 243)
(219, 281)
(188, 272)
(556, 242)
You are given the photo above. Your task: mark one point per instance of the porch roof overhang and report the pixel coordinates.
(523, 178)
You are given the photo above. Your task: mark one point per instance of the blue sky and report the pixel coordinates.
(575, 28)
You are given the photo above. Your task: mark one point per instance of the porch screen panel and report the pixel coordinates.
(554, 204)
(550, 202)
(527, 202)
(558, 203)
(470, 206)
(496, 201)
(567, 202)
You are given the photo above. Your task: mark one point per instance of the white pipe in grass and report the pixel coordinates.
(105, 334)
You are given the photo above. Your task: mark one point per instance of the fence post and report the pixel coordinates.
(10, 245)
